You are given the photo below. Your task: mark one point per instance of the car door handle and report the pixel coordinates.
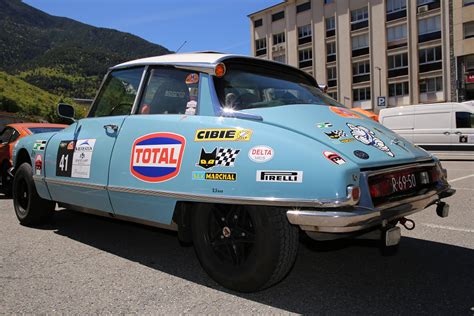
(447, 133)
(458, 133)
(112, 127)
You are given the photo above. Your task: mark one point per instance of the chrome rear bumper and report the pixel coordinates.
(360, 218)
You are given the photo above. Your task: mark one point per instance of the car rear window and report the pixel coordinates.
(38, 130)
(250, 86)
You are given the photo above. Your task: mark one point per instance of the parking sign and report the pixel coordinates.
(381, 101)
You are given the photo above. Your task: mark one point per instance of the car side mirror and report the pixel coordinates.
(66, 111)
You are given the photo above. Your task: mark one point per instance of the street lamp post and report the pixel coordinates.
(380, 80)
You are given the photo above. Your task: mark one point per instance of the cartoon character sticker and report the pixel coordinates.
(367, 137)
(344, 112)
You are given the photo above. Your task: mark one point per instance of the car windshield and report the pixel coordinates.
(38, 130)
(250, 86)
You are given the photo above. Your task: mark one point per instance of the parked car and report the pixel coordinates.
(439, 127)
(237, 154)
(10, 134)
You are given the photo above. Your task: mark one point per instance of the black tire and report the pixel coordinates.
(244, 248)
(6, 181)
(30, 208)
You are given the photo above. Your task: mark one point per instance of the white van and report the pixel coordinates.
(439, 127)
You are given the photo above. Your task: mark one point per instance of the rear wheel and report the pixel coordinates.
(244, 248)
(30, 208)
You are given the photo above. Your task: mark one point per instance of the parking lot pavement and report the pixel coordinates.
(86, 264)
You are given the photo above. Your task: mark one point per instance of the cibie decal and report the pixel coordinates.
(214, 176)
(323, 125)
(261, 154)
(343, 112)
(338, 160)
(157, 157)
(336, 134)
(38, 164)
(222, 134)
(279, 176)
(367, 137)
(224, 157)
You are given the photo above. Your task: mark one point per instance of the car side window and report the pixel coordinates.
(170, 91)
(464, 120)
(6, 135)
(118, 93)
(15, 135)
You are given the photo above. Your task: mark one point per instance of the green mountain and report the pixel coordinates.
(60, 55)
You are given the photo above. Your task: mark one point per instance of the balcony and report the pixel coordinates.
(304, 40)
(396, 15)
(429, 37)
(431, 66)
(430, 6)
(360, 51)
(330, 33)
(331, 58)
(397, 43)
(305, 63)
(397, 72)
(359, 25)
(360, 78)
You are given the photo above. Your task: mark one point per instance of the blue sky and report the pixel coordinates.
(220, 25)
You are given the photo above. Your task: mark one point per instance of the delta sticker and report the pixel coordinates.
(344, 112)
(157, 157)
(261, 154)
(338, 160)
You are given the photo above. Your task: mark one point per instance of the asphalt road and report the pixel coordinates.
(86, 264)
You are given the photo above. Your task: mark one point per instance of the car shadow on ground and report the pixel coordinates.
(339, 277)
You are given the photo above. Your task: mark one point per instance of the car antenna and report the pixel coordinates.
(184, 43)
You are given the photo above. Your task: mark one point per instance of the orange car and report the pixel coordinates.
(8, 138)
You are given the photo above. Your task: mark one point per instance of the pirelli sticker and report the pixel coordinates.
(214, 176)
(223, 134)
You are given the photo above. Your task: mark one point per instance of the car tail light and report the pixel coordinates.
(219, 70)
(353, 193)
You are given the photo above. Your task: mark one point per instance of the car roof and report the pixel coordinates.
(32, 125)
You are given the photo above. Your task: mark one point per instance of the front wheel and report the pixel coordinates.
(244, 248)
(30, 208)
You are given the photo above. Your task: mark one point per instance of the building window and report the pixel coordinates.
(468, 30)
(303, 7)
(278, 38)
(397, 33)
(305, 57)
(328, 1)
(431, 85)
(260, 46)
(332, 73)
(429, 25)
(468, 2)
(423, 2)
(397, 65)
(360, 15)
(304, 34)
(330, 24)
(362, 94)
(331, 51)
(278, 16)
(430, 55)
(396, 5)
(280, 58)
(332, 95)
(398, 89)
(257, 23)
(360, 41)
(361, 71)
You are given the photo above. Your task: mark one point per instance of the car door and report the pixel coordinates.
(78, 158)
(150, 150)
(433, 129)
(463, 136)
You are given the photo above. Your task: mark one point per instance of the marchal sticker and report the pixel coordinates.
(279, 176)
(157, 157)
(334, 157)
(367, 137)
(261, 153)
(222, 134)
(214, 176)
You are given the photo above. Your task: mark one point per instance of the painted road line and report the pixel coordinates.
(466, 230)
(461, 178)
(469, 189)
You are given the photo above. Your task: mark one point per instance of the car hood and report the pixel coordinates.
(347, 133)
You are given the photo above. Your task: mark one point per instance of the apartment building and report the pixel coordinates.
(463, 44)
(362, 49)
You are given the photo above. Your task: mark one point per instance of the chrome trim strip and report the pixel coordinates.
(428, 163)
(76, 184)
(141, 89)
(269, 201)
(199, 67)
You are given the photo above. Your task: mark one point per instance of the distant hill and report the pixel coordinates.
(60, 55)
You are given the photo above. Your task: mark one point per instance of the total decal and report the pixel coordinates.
(334, 157)
(157, 157)
(279, 176)
(74, 158)
(224, 157)
(222, 134)
(367, 137)
(261, 153)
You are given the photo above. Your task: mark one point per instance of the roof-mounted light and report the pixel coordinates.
(219, 70)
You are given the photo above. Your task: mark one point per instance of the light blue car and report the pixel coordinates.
(237, 154)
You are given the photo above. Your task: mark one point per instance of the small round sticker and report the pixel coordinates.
(192, 78)
(361, 154)
(261, 154)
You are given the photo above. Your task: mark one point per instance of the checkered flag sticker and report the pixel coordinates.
(226, 156)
